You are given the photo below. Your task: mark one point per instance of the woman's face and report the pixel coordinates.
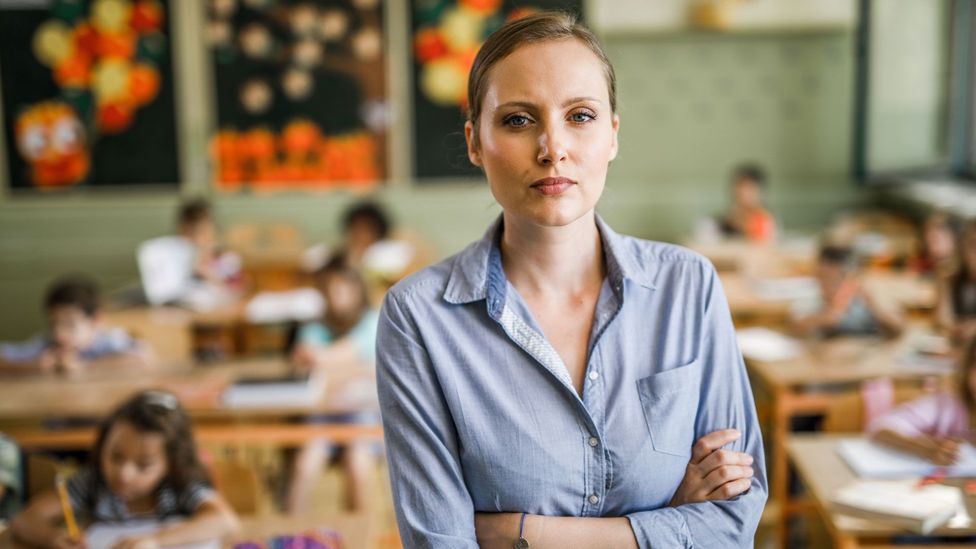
(546, 132)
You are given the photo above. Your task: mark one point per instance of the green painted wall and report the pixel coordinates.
(692, 105)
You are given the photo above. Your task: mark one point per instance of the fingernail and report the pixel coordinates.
(750, 471)
(748, 459)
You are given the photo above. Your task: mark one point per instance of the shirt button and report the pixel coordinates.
(594, 442)
(593, 499)
(594, 375)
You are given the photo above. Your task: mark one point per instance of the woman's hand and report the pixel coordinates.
(714, 473)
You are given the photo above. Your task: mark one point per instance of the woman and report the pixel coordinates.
(546, 385)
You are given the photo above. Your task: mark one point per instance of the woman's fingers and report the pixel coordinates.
(711, 442)
(721, 457)
(730, 489)
(724, 475)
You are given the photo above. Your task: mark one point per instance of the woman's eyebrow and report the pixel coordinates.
(530, 105)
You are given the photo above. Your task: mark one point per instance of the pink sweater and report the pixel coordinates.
(939, 414)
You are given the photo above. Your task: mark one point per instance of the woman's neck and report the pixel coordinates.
(551, 261)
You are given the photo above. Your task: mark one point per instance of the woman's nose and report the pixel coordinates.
(552, 146)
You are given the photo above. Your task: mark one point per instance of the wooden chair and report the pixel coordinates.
(239, 485)
(847, 412)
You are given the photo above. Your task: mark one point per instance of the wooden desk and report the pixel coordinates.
(356, 529)
(349, 388)
(824, 472)
(786, 258)
(748, 306)
(840, 361)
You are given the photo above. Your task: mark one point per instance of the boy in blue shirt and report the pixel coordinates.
(75, 337)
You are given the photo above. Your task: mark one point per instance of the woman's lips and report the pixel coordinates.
(551, 186)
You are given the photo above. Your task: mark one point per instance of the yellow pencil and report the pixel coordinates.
(69, 514)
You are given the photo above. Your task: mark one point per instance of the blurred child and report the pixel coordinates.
(844, 307)
(76, 337)
(934, 425)
(11, 489)
(363, 225)
(211, 264)
(955, 310)
(936, 251)
(347, 332)
(748, 218)
(144, 466)
(346, 335)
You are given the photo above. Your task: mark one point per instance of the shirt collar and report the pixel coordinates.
(477, 271)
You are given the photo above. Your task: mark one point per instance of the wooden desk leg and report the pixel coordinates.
(779, 484)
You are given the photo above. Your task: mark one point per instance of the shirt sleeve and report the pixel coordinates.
(24, 352)
(924, 415)
(433, 507)
(314, 334)
(81, 491)
(726, 402)
(194, 495)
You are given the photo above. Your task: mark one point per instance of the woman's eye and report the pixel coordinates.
(581, 117)
(517, 121)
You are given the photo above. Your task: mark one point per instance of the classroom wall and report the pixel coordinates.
(692, 105)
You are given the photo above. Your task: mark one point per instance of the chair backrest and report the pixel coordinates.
(41, 471)
(847, 412)
(238, 483)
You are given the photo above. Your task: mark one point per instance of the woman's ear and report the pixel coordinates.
(474, 155)
(614, 147)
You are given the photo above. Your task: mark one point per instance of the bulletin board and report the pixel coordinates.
(300, 91)
(446, 35)
(87, 94)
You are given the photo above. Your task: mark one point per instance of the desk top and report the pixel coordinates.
(841, 360)
(349, 388)
(824, 472)
(355, 529)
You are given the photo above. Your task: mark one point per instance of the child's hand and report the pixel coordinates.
(69, 362)
(140, 542)
(303, 356)
(48, 361)
(848, 290)
(940, 451)
(64, 541)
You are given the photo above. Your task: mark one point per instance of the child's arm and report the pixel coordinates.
(37, 524)
(140, 356)
(213, 519)
(889, 319)
(940, 451)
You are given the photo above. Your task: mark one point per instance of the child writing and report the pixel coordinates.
(843, 307)
(76, 337)
(934, 425)
(955, 310)
(144, 466)
(346, 335)
(748, 218)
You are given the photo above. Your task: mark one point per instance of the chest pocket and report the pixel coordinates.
(670, 403)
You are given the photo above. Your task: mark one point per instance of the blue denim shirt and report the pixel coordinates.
(480, 414)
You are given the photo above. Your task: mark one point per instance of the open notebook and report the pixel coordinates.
(871, 460)
(107, 534)
(281, 392)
